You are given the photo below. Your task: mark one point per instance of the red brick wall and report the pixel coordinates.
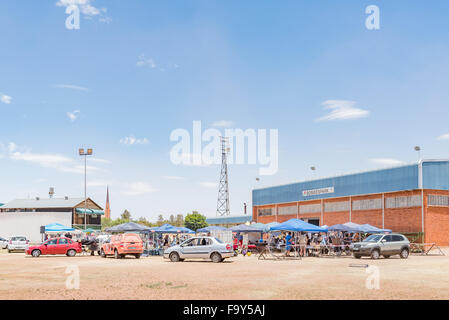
(372, 217)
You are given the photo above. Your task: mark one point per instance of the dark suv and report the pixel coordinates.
(386, 245)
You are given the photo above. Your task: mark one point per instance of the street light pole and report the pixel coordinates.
(85, 154)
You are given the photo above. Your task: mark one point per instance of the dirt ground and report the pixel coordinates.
(419, 277)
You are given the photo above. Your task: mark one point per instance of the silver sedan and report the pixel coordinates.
(200, 248)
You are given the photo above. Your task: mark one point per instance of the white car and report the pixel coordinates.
(3, 243)
(17, 243)
(200, 248)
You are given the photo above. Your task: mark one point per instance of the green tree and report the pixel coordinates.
(126, 215)
(195, 221)
(179, 220)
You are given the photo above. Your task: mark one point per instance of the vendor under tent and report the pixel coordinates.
(210, 229)
(297, 225)
(128, 227)
(57, 227)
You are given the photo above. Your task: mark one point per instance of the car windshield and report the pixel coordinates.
(18, 239)
(218, 240)
(373, 238)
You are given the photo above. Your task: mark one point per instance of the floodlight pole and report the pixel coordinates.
(85, 154)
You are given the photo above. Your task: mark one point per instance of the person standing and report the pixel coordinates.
(302, 244)
(288, 244)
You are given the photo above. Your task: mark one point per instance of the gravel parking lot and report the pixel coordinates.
(419, 277)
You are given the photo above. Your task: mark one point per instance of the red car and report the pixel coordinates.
(56, 246)
(121, 245)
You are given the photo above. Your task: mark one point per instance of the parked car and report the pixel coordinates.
(3, 243)
(121, 245)
(200, 248)
(17, 243)
(54, 246)
(385, 245)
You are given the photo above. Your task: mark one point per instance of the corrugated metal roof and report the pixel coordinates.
(43, 203)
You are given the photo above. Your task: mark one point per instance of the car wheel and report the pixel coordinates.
(71, 253)
(116, 255)
(36, 253)
(357, 256)
(404, 254)
(137, 255)
(102, 254)
(216, 257)
(375, 254)
(174, 257)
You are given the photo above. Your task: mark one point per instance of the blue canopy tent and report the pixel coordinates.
(342, 227)
(168, 228)
(244, 228)
(372, 229)
(128, 227)
(57, 227)
(210, 229)
(297, 225)
(355, 226)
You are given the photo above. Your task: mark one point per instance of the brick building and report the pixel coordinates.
(410, 199)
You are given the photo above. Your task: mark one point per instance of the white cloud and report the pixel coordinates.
(444, 137)
(84, 5)
(209, 184)
(70, 86)
(73, 115)
(342, 110)
(174, 178)
(138, 188)
(387, 161)
(144, 62)
(223, 123)
(47, 160)
(5, 99)
(131, 140)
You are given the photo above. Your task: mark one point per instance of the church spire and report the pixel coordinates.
(107, 210)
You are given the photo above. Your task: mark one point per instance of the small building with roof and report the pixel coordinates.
(26, 216)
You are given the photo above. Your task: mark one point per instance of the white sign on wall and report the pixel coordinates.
(317, 192)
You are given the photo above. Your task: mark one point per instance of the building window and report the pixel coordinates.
(290, 210)
(310, 208)
(441, 201)
(367, 204)
(403, 202)
(336, 206)
(265, 212)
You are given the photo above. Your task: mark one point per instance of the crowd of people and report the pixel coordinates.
(309, 244)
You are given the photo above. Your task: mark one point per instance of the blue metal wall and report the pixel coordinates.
(436, 175)
(379, 181)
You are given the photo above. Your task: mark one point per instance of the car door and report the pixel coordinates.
(189, 248)
(204, 248)
(397, 242)
(387, 245)
(62, 246)
(50, 246)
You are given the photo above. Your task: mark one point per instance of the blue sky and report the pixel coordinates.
(137, 70)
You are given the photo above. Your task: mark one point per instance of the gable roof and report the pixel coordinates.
(43, 203)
